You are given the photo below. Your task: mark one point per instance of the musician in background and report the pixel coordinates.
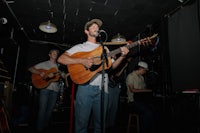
(116, 85)
(140, 97)
(47, 95)
(88, 95)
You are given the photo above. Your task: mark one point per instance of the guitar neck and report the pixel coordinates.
(142, 41)
(117, 51)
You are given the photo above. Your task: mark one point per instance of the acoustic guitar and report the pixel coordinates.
(80, 74)
(42, 82)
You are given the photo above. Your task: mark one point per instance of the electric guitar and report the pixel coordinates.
(42, 82)
(80, 74)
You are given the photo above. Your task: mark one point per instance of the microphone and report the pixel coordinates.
(3, 21)
(100, 31)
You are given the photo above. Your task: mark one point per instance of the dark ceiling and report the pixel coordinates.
(127, 17)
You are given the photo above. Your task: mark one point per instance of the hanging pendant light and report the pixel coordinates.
(118, 38)
(48, 27)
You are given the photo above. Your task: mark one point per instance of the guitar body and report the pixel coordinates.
(80, 74)
(42, 82)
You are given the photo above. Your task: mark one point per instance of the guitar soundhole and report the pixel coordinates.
(48, 79)
(94, 67)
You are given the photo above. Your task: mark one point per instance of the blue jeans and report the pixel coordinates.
(46, 103)
(88, 98)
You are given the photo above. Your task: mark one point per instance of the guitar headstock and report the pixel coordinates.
(152, 40)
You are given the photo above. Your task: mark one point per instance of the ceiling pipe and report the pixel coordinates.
(52, 43)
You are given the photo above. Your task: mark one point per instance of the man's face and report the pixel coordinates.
(93, 30)
(143, 71)
(53, 54)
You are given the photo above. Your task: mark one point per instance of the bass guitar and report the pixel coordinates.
(42, 82)
(80, 74)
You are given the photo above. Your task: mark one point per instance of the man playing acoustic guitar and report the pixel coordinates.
(45, 78)
(80, 61)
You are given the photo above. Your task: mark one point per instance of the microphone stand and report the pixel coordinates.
(104, 58)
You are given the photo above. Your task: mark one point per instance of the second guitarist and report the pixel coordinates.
(46, 72)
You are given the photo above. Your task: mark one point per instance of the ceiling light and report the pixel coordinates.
(48, 27)
(118, 38)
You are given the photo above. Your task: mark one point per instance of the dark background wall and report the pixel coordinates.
(184, 46)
